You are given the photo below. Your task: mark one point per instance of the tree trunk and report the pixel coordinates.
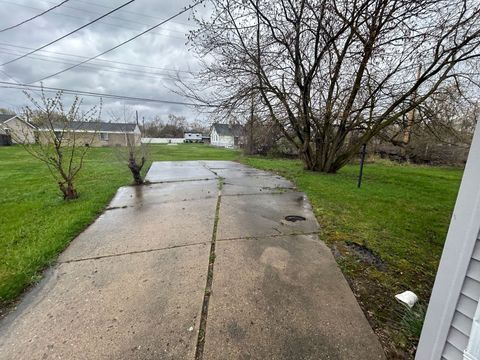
(68, 190)
(325, 160)
(309, 158)
(136, 172)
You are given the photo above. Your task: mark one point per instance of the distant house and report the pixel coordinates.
(451, 329)
(227, 135)
(5, 138)
(106, 133)
(18, 129)
(192, 137)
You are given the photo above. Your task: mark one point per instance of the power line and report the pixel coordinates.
(34, 17)
(70, 33)
(102, 22)
(132, 12)
(103, 67)
(12, 78)
(9, 76)
(112, 17)
(102, 60)
(10, 85)
(122, 43)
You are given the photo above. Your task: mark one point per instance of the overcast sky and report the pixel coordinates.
(161, 51)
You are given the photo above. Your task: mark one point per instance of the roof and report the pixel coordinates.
(228, 129)
(5, 117)
(96, 126)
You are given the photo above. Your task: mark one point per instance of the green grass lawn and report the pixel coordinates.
(401, 214)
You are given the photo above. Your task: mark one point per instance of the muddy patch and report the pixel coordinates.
(366, 255)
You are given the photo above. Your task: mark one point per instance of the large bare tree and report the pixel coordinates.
(324, 70)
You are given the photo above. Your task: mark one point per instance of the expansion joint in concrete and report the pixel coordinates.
(208, 287)
(128, 253)
(178, 181)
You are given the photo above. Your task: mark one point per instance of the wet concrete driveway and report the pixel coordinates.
(201, 263)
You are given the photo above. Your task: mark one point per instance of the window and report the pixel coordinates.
(104, 136)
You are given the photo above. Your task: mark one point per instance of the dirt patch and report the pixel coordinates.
(366, 255)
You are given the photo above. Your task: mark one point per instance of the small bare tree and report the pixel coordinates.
(62, 138)
(134, 154)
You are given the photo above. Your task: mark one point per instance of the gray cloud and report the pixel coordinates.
(162, 51)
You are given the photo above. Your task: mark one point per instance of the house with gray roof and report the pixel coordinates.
(17, 129)
(227, 135)
(104, 133)
(93, 133)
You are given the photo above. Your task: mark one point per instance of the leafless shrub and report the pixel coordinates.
(134, 154)
(61, 139)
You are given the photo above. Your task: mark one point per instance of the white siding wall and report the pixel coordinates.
(461, 326)
(222, 141)
(162, 140)
(20, 131)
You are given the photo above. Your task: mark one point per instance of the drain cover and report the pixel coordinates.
(294, 218)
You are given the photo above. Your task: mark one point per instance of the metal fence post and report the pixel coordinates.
(362, 161)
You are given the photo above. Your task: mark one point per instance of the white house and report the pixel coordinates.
(18, 129)
(190, 137)
(226, 135)
(451, 330)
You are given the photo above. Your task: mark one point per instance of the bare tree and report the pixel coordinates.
(325, 70)
(6, 111)
(134, 154)
(63, 140)
(153, 127)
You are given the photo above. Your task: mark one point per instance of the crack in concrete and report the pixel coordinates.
(270, 236)
(179, 181)
(129, 253)
(208, 287)
(159, 202)
(280, 191)
(207, 168)
(116, 207)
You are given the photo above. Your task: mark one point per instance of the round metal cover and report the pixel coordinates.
(294, 218)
